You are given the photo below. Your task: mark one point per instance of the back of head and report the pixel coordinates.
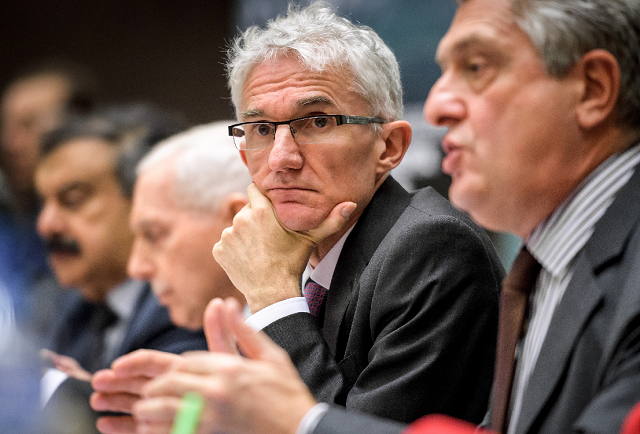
(322, 41)
(206, 164)
(564, 30)
(134, 129)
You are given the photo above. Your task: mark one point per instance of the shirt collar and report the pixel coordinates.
(323, 272)
(558, 239)
(122, 299)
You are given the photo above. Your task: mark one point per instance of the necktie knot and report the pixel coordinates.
(103, 317)
(315, 295)
(523, 274)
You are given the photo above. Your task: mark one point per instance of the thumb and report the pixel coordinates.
(336, 219)
(219, 337)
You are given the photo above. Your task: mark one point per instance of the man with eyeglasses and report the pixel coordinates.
(396, 313)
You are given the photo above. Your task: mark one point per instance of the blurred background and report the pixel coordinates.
(172, 52)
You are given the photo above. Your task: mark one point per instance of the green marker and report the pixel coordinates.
(188, 416)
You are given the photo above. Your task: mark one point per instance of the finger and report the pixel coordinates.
(107, 381)
(147, 363)
(60, 362)
(115, 402)
(154, 428)
(336, 219)
(157, 409)
(256, 198)
(254, 345)
(219, 337)
(175, 383)
(116, 425)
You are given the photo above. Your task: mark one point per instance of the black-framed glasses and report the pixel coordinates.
(308, 130)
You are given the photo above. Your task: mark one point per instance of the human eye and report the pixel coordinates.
(320, 122)
(475, 65)
(153, 235)
(480, 71)
(261, 129)
(73, 198)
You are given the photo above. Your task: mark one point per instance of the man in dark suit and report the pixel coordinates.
(412, 282)
(541, 102)
(85, 183)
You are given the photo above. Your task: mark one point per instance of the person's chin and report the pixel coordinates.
(298, 217)
(186, 320)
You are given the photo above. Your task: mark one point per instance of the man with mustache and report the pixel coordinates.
(85, 179)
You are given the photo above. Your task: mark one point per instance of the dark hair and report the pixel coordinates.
(82, 82)
(133, 128)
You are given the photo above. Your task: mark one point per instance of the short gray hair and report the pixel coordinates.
(321, 41)
(207, 166)
(565, 30)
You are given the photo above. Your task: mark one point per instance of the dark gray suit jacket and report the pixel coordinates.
(411, 315)
(588, 373)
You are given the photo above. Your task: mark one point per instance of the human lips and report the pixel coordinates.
(287, 193)
(453, 155)
(162, 290)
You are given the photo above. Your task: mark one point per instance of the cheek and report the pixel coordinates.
(258, 165)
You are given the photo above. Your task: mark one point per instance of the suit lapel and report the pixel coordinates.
(148, 319)
(386, 206)
(580, 299)
(582, 296)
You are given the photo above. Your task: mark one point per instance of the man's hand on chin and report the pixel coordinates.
(263, 258)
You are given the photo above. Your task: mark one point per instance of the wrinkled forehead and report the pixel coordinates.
(287, 83)
(480, 22)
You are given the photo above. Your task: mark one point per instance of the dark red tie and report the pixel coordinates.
(517, 287)
(315, 295)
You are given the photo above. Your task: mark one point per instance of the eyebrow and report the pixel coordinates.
(301, 103)
(461, 46)
(315, 100)
(75, 185)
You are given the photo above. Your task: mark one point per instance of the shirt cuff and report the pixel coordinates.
(49, 383)
(311, 419)
(274, 312)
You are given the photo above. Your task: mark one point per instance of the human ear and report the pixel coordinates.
(243, 156)
(600, 74)
(396, 136)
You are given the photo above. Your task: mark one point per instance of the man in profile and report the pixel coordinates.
(188, 189)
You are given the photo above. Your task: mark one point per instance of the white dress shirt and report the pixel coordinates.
(555, 244)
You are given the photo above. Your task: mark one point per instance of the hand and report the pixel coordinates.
(118, 388)
(66, 364)
(263, 258)
(257, 394)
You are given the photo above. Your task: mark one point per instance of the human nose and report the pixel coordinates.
(50, 220)
(444, 106)
(285, 152)
(140, 266)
